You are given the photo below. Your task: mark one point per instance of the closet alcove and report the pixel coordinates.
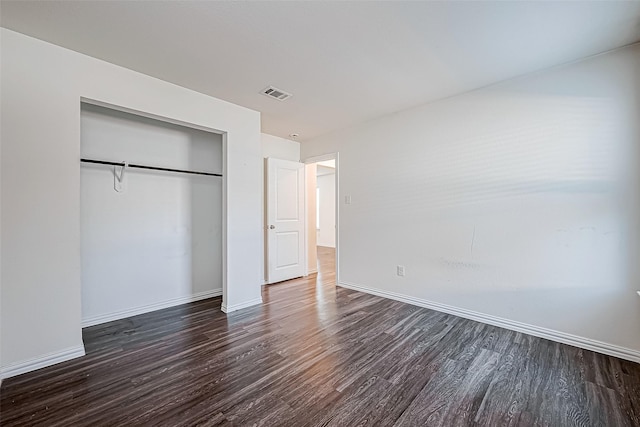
(150, 238)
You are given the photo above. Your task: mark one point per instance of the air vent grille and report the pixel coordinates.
(275, 93)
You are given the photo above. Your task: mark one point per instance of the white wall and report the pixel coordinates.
(513, 203)
(327, 232)
(2, 134)
(42, 86)
(158, 242)
(280, 148)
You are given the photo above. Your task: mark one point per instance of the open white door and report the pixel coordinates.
(285, 220)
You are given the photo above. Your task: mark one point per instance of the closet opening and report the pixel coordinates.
(151, 214)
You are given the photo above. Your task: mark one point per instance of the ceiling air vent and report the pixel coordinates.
(276, 93)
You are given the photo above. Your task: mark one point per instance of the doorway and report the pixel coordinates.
(322, 216)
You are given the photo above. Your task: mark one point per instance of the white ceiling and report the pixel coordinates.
(344, 62)
(324, 170)
(327, 163)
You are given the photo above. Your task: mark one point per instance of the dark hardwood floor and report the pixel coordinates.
(314, 355)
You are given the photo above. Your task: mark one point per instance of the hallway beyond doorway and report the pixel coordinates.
(326, 264)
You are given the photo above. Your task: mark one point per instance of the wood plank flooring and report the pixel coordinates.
(317, 355)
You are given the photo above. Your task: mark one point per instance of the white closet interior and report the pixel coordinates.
(150, 239)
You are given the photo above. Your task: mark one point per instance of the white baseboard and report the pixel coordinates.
(550, 334)
(42, 362)
(229, 308)
(122, 314)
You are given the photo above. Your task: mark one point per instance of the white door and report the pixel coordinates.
(285, 220)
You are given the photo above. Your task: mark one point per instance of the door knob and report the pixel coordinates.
(272, 227)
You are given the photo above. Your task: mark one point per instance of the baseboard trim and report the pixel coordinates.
(42, 362)
(550, 334)
(314, 271)
(117, 315)
(230, 308)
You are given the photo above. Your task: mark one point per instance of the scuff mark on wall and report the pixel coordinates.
(460, 265)
(473, 238)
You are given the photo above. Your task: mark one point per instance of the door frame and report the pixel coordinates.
(314, 159)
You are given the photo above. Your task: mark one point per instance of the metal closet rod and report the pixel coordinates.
(155, 168)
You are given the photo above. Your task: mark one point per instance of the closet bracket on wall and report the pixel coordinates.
(132, 165)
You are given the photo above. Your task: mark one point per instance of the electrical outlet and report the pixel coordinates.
(347, 200)
(400, 270)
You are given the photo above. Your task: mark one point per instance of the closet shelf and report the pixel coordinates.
(132, 165)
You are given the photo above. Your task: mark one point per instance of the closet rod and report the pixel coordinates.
(131, 165)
